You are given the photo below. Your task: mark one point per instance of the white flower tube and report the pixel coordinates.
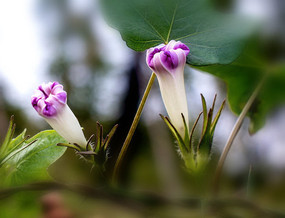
(49, 101)
(168, 62)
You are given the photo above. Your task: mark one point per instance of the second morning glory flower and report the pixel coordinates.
(49, 100)
(168, 62)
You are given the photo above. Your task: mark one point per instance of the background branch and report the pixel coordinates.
(144, 202)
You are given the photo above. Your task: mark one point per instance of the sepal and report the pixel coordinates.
(180, 141)
(209, 125)
(95, 152)
(196, 154)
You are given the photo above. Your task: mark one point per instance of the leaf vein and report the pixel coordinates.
(196, 33)
(171, 24)
(150, 25)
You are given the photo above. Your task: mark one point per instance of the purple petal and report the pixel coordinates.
(49, 110)
(49, 99)
(56, 89)
(151, 52)
(151, 55)
(170, 45)
(182, 46)
(43, 91)
(35, 101)
(54, 84)
(169, 59)
(62, 96)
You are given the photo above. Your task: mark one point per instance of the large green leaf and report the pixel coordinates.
(242, 77)
(213, 38)
(30, 164)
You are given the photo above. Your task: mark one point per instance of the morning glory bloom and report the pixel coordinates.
(168, 62)
(49, 100)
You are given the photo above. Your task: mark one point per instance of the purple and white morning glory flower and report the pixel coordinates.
(168, 62)
(49, 100)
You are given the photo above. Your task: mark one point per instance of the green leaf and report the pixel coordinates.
(243, 76)
(31, 164)
(14, 152)
(211, 36)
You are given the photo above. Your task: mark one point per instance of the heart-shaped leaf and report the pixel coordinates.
(213, 38)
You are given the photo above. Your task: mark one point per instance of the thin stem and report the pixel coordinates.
(132, 128)
(233, 134)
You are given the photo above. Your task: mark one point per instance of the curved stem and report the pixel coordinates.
(233, 134)
(132, 128)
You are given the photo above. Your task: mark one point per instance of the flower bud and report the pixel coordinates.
(49, 100)
(168, 62)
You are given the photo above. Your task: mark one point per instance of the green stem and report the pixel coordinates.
(233, 134)
(132, 128)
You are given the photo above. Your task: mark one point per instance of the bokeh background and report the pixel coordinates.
(69, 41)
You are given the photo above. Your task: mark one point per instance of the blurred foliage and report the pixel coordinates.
(242, 77)
(21, 205)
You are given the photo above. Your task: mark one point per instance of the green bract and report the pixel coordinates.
(196, 154)
(27, 160)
